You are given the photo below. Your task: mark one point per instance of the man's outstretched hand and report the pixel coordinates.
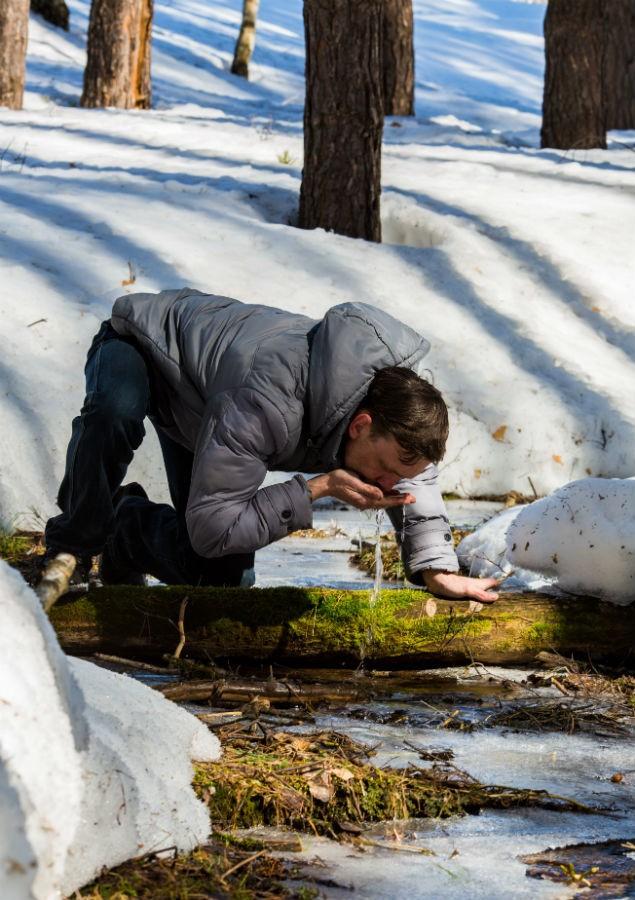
(459, 587)
(344, 486)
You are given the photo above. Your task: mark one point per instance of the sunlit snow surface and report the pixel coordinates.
(516, 263)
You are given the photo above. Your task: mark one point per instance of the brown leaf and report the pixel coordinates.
(556, 458)
(499, 434)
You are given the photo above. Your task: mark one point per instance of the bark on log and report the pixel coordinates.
(118, 55)
(398, 58)
(14, 26)
(343, 118)
(311, 627)
(246, 39)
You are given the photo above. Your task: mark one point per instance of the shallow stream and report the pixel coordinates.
(475, 856)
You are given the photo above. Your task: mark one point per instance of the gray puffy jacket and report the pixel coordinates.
(251, 388)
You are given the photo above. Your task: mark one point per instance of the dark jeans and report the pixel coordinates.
(142, 536)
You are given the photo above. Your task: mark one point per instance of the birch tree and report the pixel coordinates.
(246, 39)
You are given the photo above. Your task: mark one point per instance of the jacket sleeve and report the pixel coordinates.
(423, 527)
(228, 512)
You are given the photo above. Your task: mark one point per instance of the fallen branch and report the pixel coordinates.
(55, 579)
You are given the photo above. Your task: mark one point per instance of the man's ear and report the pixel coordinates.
(359, 424)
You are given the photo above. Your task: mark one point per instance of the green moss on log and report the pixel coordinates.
(315, 625)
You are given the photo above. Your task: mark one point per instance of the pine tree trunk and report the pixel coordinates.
(573, 105)
(343, 117)
(118, 65)
(246, 39)
(619, 64)
(53, 11)
(14, 27)
(399, 61)
(403, 629)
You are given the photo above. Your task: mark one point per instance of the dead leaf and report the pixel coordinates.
(430, 608)
(131, 276)
(342, 773)
(556, 458)
(320, 786)
(499, 434)
(478, 473)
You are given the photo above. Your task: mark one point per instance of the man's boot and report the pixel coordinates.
(110, 570)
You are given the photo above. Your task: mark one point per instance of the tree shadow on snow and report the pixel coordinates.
(540, 266)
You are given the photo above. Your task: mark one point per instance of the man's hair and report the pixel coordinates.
(411, 410)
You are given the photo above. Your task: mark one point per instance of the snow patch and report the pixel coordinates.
(583, 535)
(94, 768)
(579, 539)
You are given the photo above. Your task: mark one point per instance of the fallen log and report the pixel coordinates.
(404, 629)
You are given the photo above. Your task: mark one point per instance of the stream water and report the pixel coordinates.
(475, 856)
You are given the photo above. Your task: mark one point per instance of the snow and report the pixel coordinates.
(94, 767)
(516, 263)
(579, 539)
(583, 536)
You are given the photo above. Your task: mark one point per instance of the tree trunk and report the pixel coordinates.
(399, 59)
(118, 64)
(403, 629)
(246, 39)
(14, 27)
(573, 105)
(343, 117)
(53, 11)
(619, 64)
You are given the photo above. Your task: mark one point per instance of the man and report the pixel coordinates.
(236, 390)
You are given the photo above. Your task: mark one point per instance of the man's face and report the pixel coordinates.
(376, 458)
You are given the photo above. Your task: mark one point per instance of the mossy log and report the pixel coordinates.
(318, 626)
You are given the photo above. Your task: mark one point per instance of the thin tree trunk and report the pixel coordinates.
(14, 27)
(399, 60)
(53, 11)
(343, 117)
(118, 65)
(246, 39)
(404, 629)
(573, 105)
(619, 64)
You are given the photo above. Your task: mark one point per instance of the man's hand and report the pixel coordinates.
(457, 587)
(348, 488)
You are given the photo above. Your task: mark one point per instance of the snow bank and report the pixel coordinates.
(94, 767)
(583, 535)
(580, 538)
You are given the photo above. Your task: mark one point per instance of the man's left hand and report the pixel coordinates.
(459, 587)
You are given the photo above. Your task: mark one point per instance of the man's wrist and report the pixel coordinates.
(318, 487)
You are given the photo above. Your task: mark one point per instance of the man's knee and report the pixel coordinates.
(124, 407)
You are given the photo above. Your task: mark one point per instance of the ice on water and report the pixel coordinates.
(476, 856)
(580, 538)
(95, 768)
